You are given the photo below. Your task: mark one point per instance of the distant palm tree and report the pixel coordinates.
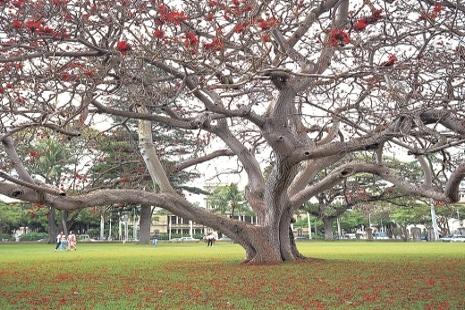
(228, 199)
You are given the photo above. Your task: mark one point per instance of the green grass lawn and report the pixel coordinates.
(348, 275)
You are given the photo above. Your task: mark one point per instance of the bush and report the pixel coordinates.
(198, 236)
(5, 237)
(34, 236)
(94, 232)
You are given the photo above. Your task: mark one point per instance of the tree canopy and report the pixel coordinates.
(299, 86)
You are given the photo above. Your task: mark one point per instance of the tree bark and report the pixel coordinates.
(328, 226)
(145, 223)
(52, 228)
(64, 226)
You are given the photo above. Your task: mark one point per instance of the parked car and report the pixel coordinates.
(85, 238)
(350, 236)
(453, 238)
(380, 236)
(301, 238)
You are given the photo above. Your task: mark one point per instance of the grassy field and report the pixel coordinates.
(347, 275)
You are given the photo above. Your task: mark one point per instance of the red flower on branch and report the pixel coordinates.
(437, 8)
(123, 46)
(19, 3)
(360, 24)
(159, 34)
(210, 17)
(216, 44)
(266, 24)
(338, 37)
(392, 59)
(169, 16)
(374, 17)
(17, 24)
(191, 40)
(48, 30)
(240, 27)
(33, 25)
(265, 37)
(89, 73)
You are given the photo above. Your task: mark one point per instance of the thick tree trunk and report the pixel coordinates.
(145, 222)
(273, 243)
(52, 228)
(328, 226)
(64, 226)
(266, 245)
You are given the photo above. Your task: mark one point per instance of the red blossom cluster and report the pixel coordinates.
(240, 27)
(266, 24)
(33, 25)
(123, 46)
(265, 37)
(216, 44)
(37, 27)
(19, 3)
(361, 23)
(437, 8)
(159, 34)
(392, 59)
(338, 37)
(169, 16)
(191, 40)
(238, 7)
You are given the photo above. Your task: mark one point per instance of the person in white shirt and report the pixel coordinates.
(58, 240)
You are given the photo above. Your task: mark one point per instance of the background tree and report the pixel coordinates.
(227, 200)
(52, 162)
(121, 165)
(304, 85)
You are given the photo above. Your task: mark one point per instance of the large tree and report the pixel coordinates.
(302, 83)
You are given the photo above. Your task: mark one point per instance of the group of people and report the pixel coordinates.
(66, 242)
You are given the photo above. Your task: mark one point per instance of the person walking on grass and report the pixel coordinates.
(71, 241)
(58, 240)
(210, 239)
(63, 242)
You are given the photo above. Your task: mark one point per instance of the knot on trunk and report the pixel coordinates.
(346, 172)
(16, 193)
(201, 121)
(279, 78)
